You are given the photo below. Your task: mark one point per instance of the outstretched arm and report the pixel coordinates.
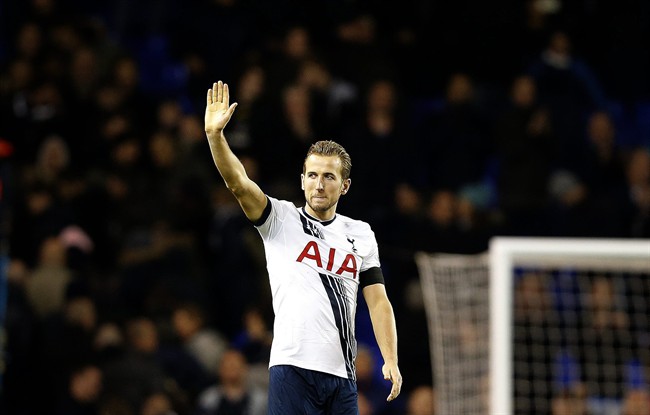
(218, 112)
(383, 324)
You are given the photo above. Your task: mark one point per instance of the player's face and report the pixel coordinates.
(323, 185)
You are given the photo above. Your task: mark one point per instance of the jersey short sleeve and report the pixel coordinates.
(275, 213)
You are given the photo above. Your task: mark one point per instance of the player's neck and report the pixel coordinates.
(321, 216)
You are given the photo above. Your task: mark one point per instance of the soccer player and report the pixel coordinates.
(317, 260)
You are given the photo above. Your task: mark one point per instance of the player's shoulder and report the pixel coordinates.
(282, 204)
(356, 225)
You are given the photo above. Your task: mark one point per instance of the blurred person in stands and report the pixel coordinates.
(236, 260)
(115, 405)
(52, 159)
(253, 115)
(83, 393)
(157, 404)
(442, 227)
(357, 51)
(402, 233)
(254, 341)
(534, 317)
(37, 216)
(206, 344)
(605, 325)
(190, 136)
(21, 330)
(412, 318)
(567, 197)
(65, 345)
(333, 96)
(370, 382)
(636, 402)
(314, 338)
(526, 153)
(125, 78)
(638, 183)
(454, 140)
(138, 370)
(17, 79)
(476, 218)
(421, 401)
(572, 401)
(601, 168)
(382, 125)
(168, 116)
(83, 76)
(29, 41)
(294, 128)
(536, 26)
(295, 44)
(233, 394)
(47, 286)
(158, 246)
(365, 407)
(568, 87)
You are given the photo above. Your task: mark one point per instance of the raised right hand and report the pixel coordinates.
(218, 110)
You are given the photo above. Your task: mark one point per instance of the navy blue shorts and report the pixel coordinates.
(297, 391)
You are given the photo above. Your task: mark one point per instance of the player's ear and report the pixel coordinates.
(302, 181)
(346, 186)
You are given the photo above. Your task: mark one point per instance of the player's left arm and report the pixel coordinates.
(383, 324)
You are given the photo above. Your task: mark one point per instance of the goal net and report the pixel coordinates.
(540, 326)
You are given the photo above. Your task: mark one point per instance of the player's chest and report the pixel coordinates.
(330, 250)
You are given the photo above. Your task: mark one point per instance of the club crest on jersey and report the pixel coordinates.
(312, 252)
(354, 249)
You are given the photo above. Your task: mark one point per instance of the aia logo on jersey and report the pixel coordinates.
(311, 252)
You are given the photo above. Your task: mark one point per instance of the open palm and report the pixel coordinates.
(218, 110)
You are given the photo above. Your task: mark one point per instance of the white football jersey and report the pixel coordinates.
(315, 269)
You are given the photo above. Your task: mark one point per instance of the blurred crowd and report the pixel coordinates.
(137, 286)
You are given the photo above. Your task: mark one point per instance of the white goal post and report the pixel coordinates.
(481, 289)
(507, 252)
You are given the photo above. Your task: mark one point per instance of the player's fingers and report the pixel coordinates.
(231, 109)
(209, 97)
(394, 391)
(214, 92)
(226, 94)
(220, 92)
(396, 388)
(386, 372)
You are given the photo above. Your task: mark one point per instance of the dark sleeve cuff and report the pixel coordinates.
(265, 214)
(371, 276)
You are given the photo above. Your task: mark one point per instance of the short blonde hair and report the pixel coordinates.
(331, 148)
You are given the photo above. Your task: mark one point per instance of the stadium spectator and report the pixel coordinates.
(636, 402)
(526, 154)
(569, 88)
(382, 124)
(455, 142)
(602, 170)
(232, 394)
(638, 184)
(421, 401)
(83, 394)
(370, 381)
(206, 344)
